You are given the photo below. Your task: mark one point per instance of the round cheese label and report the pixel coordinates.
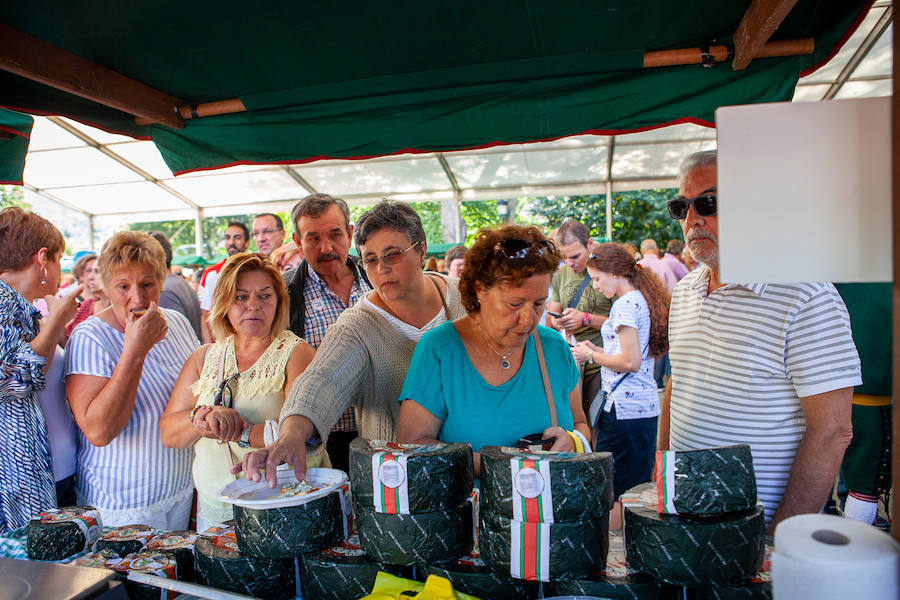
(391, 474)
(144, 562)
(128, 533)
(96, 560)
(529, 483)
(227, 541)
(171, 541)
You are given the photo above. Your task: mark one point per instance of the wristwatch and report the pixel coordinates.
(244, 442)
(586, 321)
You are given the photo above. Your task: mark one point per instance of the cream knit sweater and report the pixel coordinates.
(361, 362)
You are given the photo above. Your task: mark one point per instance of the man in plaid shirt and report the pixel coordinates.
(325, 284)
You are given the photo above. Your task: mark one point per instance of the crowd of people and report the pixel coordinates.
(129, 390)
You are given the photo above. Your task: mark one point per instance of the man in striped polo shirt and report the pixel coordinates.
(765, 364)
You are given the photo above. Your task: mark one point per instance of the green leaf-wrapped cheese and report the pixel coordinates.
(708, 551)
(127, 539)
(758, 588)
(410, 478)
(341, 572)
(159, 564)
(180, 545)
(471, 575)
(618, 581)
(60, 533)
(711, 481)
(543, 551)
(291, 531)
(221, 565)
(419, 538)
(569, 486)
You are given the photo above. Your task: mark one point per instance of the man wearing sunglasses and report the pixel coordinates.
(326, 283)
(765, 364)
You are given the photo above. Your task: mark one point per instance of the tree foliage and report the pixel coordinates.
(12, 195)
(636, 215)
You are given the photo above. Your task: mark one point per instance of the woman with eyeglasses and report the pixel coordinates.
(231, 391)
(95, 296)
(364, 356)
(478, 379)
(625, 412)
(121, 366)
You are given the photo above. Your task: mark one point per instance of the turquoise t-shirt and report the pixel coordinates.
(442, 379)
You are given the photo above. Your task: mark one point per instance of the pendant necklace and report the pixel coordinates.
(504, 362)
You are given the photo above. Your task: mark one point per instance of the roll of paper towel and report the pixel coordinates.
(827, 557)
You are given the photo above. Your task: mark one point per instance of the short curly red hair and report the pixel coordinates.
(488, 265)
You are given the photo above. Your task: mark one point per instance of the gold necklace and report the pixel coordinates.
(504, 362)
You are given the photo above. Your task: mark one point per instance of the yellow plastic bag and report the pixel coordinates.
(391, 587)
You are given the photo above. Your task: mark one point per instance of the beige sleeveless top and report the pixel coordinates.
(257, 396)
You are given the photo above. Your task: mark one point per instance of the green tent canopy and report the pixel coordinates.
(361, 79)
(15, 132)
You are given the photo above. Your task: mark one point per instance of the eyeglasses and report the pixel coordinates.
(705, 205)
(256, 234)
(389, 258)
(517, 249)
(224, 394)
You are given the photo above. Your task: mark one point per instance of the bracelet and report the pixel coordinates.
(591, 358)
(586, 321)
(193, 414)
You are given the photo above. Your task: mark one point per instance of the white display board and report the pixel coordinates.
(805, 191)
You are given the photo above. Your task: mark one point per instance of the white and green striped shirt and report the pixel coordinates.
(741, 359)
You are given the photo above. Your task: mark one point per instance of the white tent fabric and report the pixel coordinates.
(110, 180)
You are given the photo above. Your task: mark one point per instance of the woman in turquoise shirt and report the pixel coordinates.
(477, 379)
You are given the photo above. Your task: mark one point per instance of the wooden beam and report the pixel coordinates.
(693, 56)
(759, 23)
(35, 59)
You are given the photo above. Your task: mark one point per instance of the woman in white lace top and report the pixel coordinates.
(228, 390)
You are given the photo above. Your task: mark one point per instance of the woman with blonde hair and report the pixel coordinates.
(121, 365)
(625, 412)
(229, 395)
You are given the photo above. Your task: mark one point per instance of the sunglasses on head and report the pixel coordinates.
(705, 205)
(517, 249)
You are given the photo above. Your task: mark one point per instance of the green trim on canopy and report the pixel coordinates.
(359, 79)
(13, 150)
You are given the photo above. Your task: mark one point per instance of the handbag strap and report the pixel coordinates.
(441, 294)
(221, 379)
(547, 390)
(584, 282)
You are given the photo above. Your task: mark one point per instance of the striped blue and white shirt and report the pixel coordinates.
(743, 356)
(134, 474)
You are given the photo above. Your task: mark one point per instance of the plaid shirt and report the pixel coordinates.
(323, 307)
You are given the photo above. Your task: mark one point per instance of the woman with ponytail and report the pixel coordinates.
(624, 413)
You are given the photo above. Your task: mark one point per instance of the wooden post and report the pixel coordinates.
(759, 23)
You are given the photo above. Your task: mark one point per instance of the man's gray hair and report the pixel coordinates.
(315, 205)
(649, 245)
(389, 214)
(704, 158)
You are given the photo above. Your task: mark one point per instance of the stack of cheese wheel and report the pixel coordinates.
(411, 500)
(545, 515)
(342, 571)
(699, 525)
(220, 564)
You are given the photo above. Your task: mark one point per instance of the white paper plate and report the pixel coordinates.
(259, 495)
